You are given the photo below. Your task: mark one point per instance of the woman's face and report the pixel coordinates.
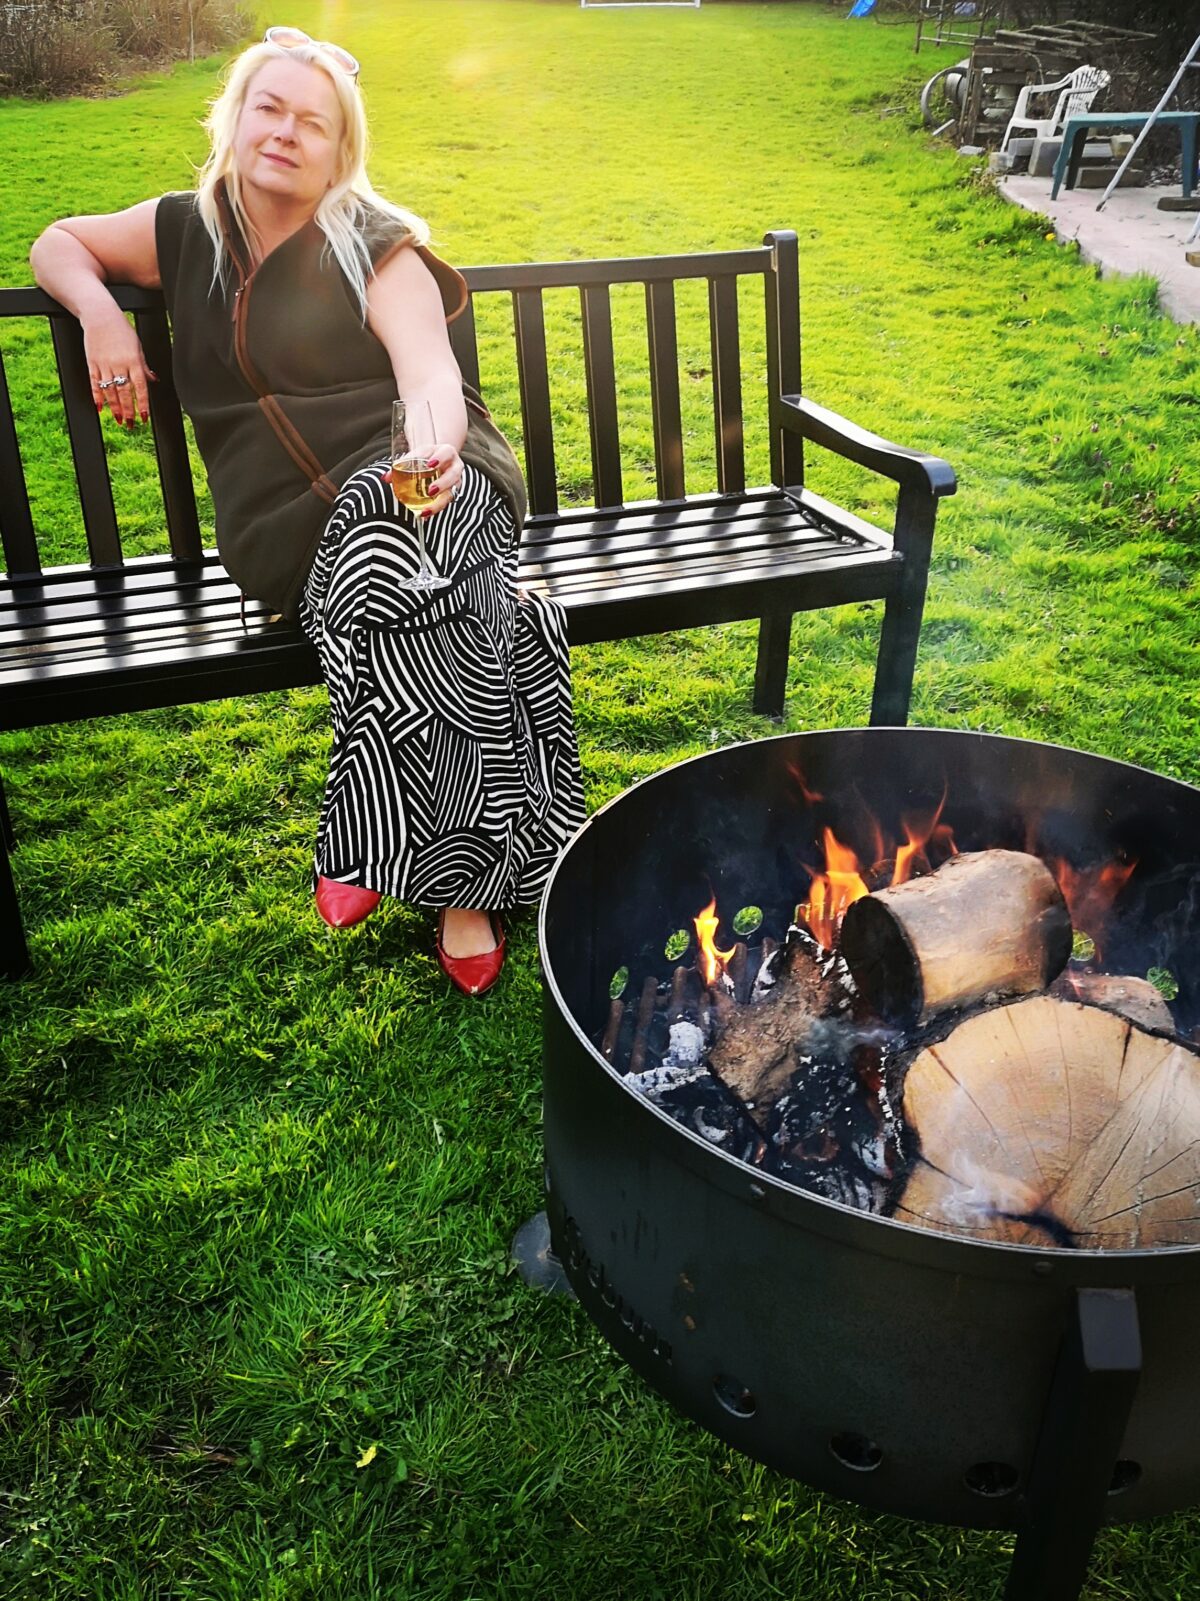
(289, 134)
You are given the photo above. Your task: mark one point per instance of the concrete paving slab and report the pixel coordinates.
(1130, 235)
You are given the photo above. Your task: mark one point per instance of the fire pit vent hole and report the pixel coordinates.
(734, 1396)
(992, 1479)
(1125, 1476)
(856, 1452)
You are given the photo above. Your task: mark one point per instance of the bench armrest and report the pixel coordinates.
(909, 468)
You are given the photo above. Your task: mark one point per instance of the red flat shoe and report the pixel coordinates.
(472, 974)
(343, 905)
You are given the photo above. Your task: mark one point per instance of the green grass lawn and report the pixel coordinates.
(258, 1334)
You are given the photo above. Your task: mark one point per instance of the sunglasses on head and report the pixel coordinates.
(289, 38)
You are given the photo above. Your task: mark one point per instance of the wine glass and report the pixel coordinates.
(412, 473)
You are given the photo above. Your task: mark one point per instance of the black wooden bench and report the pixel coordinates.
(124, 634)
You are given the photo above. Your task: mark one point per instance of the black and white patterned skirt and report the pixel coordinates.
(454, 776)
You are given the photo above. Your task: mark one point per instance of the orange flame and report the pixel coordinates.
(832, 891)
(919, 831)
(1090, 892)
(712, 960)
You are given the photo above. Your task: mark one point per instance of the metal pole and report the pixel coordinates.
(1136, 145)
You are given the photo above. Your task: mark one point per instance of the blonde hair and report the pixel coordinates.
(342, 213)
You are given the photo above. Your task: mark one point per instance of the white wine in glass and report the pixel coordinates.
(413, 472)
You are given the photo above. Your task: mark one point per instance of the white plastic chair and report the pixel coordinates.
(1078, 90)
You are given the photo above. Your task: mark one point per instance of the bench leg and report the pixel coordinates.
(14, 952)
(7, 837)
(901, 631)
(770, 672)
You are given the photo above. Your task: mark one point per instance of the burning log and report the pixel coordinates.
(990, 923)
(757, 1048)
(1047, 1121)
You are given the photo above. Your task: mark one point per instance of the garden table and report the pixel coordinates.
(1076, 130)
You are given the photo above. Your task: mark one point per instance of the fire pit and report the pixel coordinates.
(983, 1384)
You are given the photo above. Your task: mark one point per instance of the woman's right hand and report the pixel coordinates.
(114, 351)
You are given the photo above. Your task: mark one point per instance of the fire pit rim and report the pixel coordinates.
(757, 1187)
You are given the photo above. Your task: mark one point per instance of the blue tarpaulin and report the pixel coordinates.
(861, 8)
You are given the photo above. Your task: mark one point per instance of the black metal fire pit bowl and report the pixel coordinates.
(987, 1385)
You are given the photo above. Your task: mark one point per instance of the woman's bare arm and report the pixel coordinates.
(75, 260)
(405, 313)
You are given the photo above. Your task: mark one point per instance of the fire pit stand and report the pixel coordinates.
(1077, 1465)
(919, 1373)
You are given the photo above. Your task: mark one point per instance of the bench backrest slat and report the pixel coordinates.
(16, 519)
(87, 444)
(530, 324)
(462, 342)
(170, 440)
(664, 389)
(600, 372)
(727, 384)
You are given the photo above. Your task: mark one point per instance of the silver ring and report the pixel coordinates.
(104, 383)
(120, 379)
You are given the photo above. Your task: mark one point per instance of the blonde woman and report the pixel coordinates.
(302, 305)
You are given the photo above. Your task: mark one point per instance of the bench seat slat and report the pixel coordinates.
(590, 588)
(101, 634)
(687, 546)
(144, 602)
(639, 610)
(110, 654)
(723, 517)
(727, 566)
(60, 584)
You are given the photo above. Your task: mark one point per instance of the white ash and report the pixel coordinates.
(668, 1076)
(686, 1044)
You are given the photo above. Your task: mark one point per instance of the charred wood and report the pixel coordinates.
(758, 1048)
